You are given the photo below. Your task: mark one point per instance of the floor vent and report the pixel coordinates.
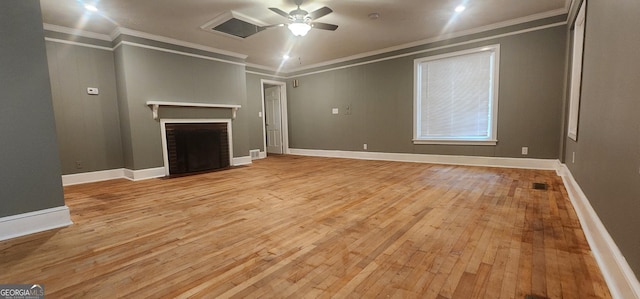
(539, 186)
(234, 24)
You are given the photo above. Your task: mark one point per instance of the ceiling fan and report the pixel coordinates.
(301, 21)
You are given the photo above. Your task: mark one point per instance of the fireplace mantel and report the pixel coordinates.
(156, 104)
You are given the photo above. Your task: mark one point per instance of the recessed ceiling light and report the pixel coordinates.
(374, 16)
(460, 8)
(285, 57)
(90, 7)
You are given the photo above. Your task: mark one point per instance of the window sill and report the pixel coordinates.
(455, 142)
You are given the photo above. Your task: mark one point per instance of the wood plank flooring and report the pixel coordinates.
(305, 227)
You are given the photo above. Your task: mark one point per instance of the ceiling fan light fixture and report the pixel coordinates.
(299, 29)
(90, 7)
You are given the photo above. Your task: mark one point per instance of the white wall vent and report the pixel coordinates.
(255, 154)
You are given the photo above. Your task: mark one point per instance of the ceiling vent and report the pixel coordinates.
(234, 24)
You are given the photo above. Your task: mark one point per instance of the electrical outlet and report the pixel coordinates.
(78, 164)
(364, 146)
(525, 150)
(335, 111)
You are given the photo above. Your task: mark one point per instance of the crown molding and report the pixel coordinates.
(76, 32)
(265, 74)
(301, 74)
(443, 37)
(121, 30)
(285, 73)
(68, 42)
(264, 67)
(118, 31)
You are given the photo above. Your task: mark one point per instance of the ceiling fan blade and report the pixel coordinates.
(280, 12)
(272, 26)
(319, 13)
(324, 26)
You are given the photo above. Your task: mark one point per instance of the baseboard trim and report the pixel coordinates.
(256, 154)
(617, 273)
(239, 161)
(546, 164)
(91, 177)
(144, 174)
(132, 175)
(112, 174)
(34, 222)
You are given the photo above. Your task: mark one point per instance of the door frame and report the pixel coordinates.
(283, 115)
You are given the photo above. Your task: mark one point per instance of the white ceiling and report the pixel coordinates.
(400, 22)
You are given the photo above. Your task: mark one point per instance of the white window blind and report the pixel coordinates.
(456, 97)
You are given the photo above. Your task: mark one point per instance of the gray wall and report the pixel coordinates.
(88, 126)
(607, 153)
(123, 109)
(152, 75)
(254, 105)
(30, 173)
(381, 98)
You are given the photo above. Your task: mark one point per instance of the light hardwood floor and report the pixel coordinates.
(292, 226)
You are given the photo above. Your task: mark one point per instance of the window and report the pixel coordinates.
(456, 97)
(576, 73)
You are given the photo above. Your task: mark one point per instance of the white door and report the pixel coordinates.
(273, 119)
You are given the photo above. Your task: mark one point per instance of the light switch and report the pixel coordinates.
(92, 90)
(335, 111)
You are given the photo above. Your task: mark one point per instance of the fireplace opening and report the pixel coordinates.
(197, 147)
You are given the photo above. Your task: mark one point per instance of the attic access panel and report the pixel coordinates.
(238, 28)
(234, 24)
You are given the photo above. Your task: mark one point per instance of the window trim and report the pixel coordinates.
(575, 84)
(417, 90)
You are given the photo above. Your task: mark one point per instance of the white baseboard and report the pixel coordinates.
(34, 222)
(112, 174)
(90, 177)
(256, 154)
(133, 175)
(546, 164)
(144, 174)
(617, 273)
(241, 161)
